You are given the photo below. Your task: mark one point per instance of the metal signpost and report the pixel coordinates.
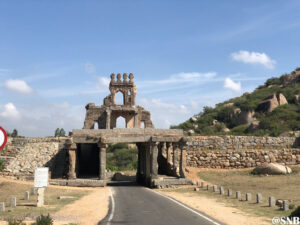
(41, 182)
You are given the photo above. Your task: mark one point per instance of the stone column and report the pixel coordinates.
(176, 150)
(154, 165)
(182, 162)
(147, 164)
(136, 124)
(107, 119)
(102, 160)
(72, 161)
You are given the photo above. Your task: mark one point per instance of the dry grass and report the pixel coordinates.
(28, 208)
(279, 186)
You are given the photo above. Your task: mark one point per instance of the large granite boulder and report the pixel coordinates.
(271, 102)
(272, 169)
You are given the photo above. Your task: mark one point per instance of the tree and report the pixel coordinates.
(14, 133)
(62, 132)
(57, 132)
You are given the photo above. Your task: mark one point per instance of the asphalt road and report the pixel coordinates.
(137, 205)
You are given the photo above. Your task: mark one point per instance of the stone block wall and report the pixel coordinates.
(22, 155)
(241, 151)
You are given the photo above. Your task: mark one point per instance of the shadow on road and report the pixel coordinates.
(122, 183)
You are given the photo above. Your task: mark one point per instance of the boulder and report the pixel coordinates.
(229, 104)
(191, 132)
(245, 117)
(225, 129)
(193, 119)
(296, 98)
(271, 102)
(254, 125)
(214, 122)
(272, 169)
(119, 176)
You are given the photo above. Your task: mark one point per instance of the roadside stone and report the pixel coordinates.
(207, 187)
(196, 189)
(258, 198)
(26, 196)
(248, 197)
(215, 188)
(238, 195)
(2, 207)
(285, 206)
(202, 184)
(271, 201)
(66, 197)
(229, 192)
(13, 202)
(221, 190)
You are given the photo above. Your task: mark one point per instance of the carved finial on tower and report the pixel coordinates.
(131, 78)
(124, 77)
(119, 78)
(112, 76)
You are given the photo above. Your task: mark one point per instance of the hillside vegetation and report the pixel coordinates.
(272, 109)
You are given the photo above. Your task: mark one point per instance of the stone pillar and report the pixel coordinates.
(182, 161)
(136, 124)
(102, 160)
(72, 161)
(147, 165)
(154, 165)
(108, 119)
(13, 202)
(176, 150)
(169, 153)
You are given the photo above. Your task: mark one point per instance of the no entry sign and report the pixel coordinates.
(3, 138)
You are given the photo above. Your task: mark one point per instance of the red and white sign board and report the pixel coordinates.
(3, 138)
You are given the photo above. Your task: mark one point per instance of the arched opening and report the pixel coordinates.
(96, 126)
(142, 124)
(119, 98)
(121, 122)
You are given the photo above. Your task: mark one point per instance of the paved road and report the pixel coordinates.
(136, 205)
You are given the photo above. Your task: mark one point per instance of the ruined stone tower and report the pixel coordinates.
(107, 114)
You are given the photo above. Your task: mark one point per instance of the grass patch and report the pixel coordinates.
(278, 186)
(28, 208)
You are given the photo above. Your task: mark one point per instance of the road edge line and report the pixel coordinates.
(111, 215)
(186, 207)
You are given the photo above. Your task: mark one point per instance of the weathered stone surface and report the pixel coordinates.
(248, 196)
(271, 201)
(272, 169)
(13, 202)
(285, 206)
(26, 196)
(2, 207)
(271, 102)
(258, 198)
(191, 132)
(193, 119)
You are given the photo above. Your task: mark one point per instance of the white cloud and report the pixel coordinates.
(254, 58)
(89, 67)
(9, 111)
(103, 82)
(19, 86)
(192, 76)
(230, 84)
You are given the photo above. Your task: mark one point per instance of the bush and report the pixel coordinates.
(43, 220)
(296, 212)
(120, 157)
(15, 222)
(1, 165)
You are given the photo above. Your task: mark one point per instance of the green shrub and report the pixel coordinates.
(120, 157)
(43, 220)
(15, 222)
(1, 165)
(296, 212)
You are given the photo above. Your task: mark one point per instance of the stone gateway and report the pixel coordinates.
(161, 152)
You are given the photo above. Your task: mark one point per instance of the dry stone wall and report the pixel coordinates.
(22, 155)
(241, 151)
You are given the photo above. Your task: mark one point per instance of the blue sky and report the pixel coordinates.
(56, 56)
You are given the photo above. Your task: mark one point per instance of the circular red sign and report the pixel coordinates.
(3, 138)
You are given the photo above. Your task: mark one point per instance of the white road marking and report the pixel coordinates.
(184, 206)
(112, 206)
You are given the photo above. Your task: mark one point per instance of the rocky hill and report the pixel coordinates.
(272, 109)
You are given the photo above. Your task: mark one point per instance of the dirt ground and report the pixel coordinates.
(213, 208)
(87, 210)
